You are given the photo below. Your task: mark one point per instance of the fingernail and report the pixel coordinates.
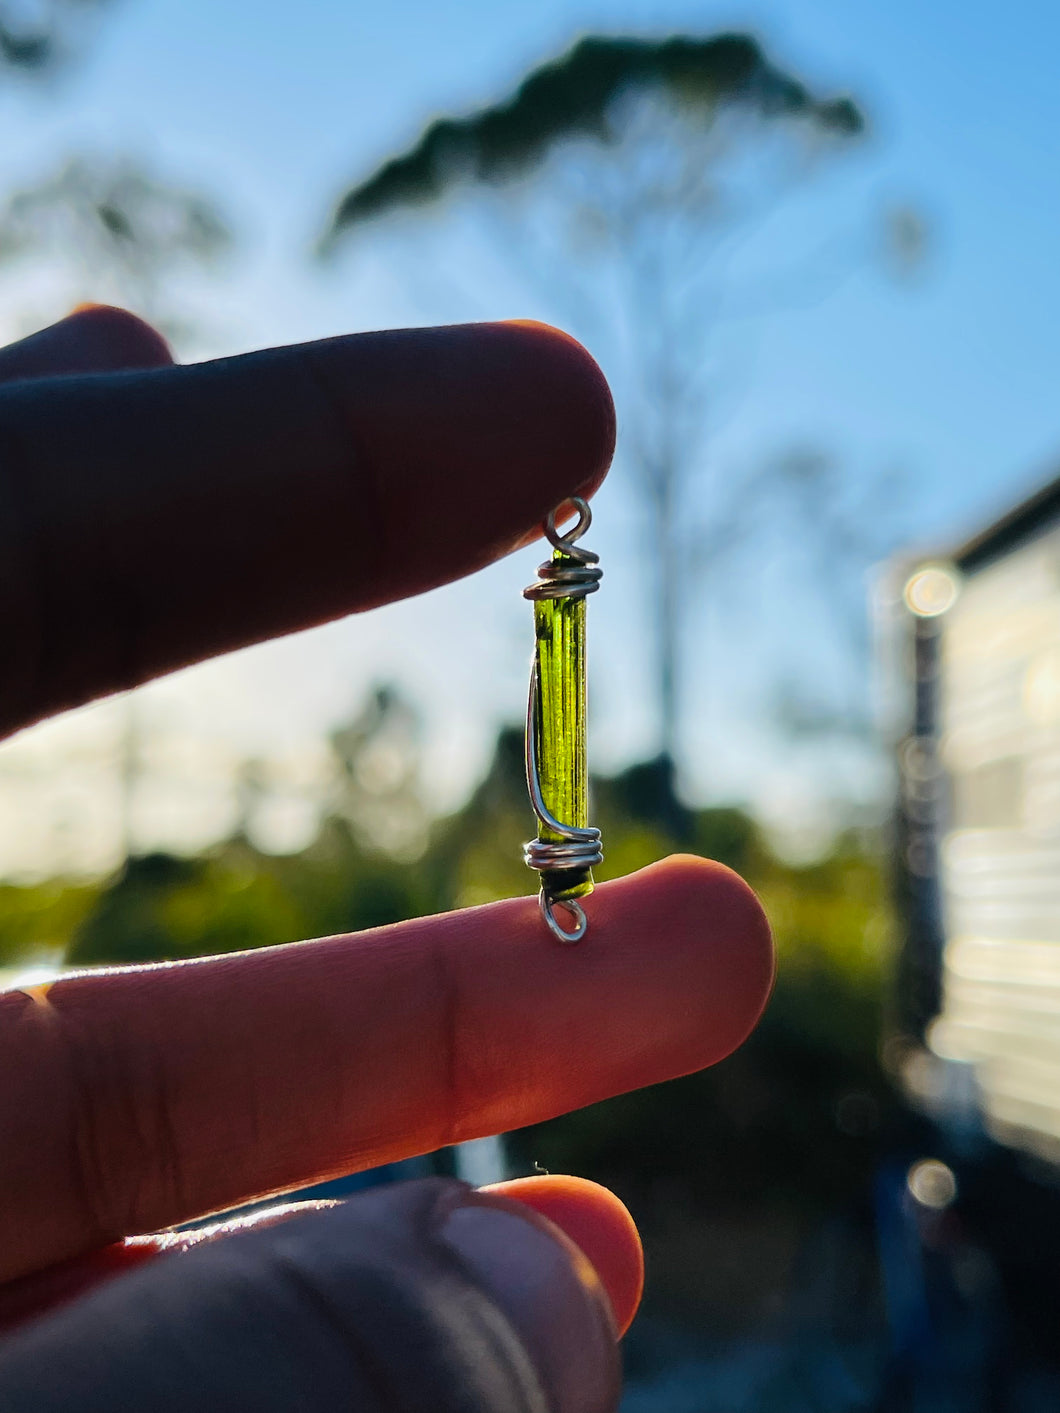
(550, 1294)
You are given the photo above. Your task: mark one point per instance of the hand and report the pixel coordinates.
(153, 516)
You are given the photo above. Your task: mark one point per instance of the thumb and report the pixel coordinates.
(423, 1296)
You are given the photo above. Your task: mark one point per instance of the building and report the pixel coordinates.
(977, 633)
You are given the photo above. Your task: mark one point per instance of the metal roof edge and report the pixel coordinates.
(1037, 510)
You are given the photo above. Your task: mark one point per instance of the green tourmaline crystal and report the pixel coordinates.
(559, 728)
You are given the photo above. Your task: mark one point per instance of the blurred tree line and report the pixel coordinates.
(793, 1122)
(100, 226)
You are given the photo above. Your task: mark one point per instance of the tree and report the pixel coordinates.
(36, 38)
(377, 785)
(99, 228)
(625, 174)
(115, 232)
(109, 223)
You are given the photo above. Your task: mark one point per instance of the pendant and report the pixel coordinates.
(557, 775)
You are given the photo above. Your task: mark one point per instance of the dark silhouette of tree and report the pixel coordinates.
(576, 96)
(35, 39)
(624, 175)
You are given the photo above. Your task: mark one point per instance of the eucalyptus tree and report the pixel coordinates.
(623, 176)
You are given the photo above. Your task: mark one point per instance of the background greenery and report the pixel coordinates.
(752, 1153)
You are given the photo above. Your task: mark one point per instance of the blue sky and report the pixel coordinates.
(951, 378)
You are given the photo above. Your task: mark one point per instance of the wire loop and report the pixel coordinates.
(577, 573)
(570, 905)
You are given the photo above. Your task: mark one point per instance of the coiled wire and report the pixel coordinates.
(577, 848)
(556, 580)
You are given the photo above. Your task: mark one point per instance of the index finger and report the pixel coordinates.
(149, 519)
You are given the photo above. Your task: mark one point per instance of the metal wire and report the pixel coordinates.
(556, 580)
(577, 848)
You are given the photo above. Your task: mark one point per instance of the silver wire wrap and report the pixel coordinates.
(567, 581)
(579, 848)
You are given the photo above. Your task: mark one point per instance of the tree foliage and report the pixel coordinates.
(578, 95)
(794, 1120)
(100, 227)
(621, 180)
(115, 231)
(36, 38)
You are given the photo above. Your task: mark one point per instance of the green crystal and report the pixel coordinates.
(559, 728)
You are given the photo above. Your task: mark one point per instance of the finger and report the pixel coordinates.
(139, 1099)
(151, 519)
(95, 338)
(598, 1223)
(31, 1296)
(424, 1295)
(587, 1214)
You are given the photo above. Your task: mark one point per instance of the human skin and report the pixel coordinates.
(153, 516)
